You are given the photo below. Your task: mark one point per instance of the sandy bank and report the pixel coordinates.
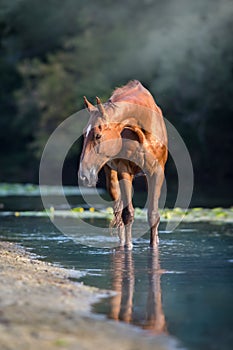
(40, 308)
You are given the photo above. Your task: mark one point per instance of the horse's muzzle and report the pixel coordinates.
(88, 177)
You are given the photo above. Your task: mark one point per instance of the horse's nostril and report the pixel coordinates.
(84, 179)
(87, 177)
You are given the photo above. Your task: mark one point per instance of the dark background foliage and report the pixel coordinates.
(54, 52)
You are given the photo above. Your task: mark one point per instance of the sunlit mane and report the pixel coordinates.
(122, 90)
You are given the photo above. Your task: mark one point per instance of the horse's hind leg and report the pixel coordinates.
(114, 191)
(154, 189)
(125, 180)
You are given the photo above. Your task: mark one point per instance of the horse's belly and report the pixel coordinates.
(117, 165)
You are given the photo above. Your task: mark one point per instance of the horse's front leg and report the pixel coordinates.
(154, 188)
(113, 188)
(125, 180)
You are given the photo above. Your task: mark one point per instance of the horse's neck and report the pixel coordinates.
(130, 112)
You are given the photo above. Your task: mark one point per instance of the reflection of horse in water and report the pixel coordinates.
(127, 137)
(123, 284)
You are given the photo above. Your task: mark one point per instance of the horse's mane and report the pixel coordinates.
(133, 92)
(126, 89)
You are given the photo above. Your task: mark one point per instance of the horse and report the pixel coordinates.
(127, 137)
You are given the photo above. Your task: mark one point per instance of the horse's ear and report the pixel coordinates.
(100, 106)
(88, 105)
(101, 109)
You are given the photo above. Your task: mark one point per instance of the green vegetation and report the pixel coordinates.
(54, 52)
(216, 215)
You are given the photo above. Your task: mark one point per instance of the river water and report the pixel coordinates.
(184, 288)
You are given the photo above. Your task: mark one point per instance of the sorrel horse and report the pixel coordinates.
(127, 136)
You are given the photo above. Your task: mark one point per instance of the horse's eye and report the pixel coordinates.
(97, 136)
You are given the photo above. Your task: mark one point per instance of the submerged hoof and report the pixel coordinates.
(128, 246)
(154, 242)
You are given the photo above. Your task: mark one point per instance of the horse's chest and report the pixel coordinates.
(113, 164)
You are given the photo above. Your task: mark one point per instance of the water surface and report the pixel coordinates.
(183, 289)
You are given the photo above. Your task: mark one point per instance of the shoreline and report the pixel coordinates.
(40, 307)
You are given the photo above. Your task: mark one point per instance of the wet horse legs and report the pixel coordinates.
(114, 191)
(120, 188)
(125, 181)
(154, 188)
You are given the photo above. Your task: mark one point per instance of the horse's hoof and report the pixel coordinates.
(122, 243)
(120, 248)
(128, 246)
(154, 244)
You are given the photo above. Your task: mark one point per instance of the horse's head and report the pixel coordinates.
(102, 142)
